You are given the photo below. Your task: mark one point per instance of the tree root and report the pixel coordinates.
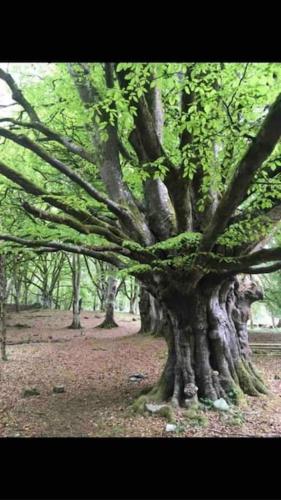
(249, 381)
(74, 327)
(107, 325)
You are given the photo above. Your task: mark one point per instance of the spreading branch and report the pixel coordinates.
(257, 153)
(27, 143)
(101, 253)
(31, 188)
(69, 144)
(67, 221)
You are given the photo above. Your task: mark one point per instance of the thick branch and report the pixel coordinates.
(54, 136)
(244, 263)
(146, 141)
(108, 154)
(257, 153)
(32, 188)
(64, 169)
(67, 221)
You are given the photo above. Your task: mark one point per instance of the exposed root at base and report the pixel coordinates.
(107, 325)
(249, 381)
(74, 327)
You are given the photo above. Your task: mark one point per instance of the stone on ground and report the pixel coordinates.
(170, 428)
(221, 404)
(57, 389)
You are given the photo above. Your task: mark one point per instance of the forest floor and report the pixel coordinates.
(94, 366)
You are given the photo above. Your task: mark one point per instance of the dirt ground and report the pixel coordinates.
(94, 366)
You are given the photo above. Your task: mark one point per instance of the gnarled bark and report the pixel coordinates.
(208, 351)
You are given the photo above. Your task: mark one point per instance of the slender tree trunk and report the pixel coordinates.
(208, 350)
(17, 285)
(71, 301)
(134, 298)
(102, 306)
(76, 305)
(3, 285)
(25, 295)
(57, 305)
(94, 302)
(109, 314)
(103, 299)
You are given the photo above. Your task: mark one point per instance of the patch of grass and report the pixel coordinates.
(235, 418)
(181, 427)
(206, 404)
(195, 418)
(167, 413)
(118, 430)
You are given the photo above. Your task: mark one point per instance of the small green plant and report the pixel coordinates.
(236, 418)
(181, 427)
(206, 404)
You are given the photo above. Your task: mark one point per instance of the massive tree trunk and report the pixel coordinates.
(76, 275)
(153, 317)
(208, 349)
(3, 297)
(110, 301)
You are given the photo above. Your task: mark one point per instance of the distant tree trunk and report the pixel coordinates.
(71, 302)
(17, 285)
(103, 301)
(76, 275)
(57, 304)
(134, 298)
(110, 301)
(273, 320)
(153, 317)
(46, 300)
(25, 296)
(3, 284)
(94, 303)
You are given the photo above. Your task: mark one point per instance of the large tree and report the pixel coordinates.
(170, 172)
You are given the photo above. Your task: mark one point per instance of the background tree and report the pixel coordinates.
(131, 291)
(272, 296)
(170, 173)
(76, 304)
(98, 274)
(112, 290)
(3, 297)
